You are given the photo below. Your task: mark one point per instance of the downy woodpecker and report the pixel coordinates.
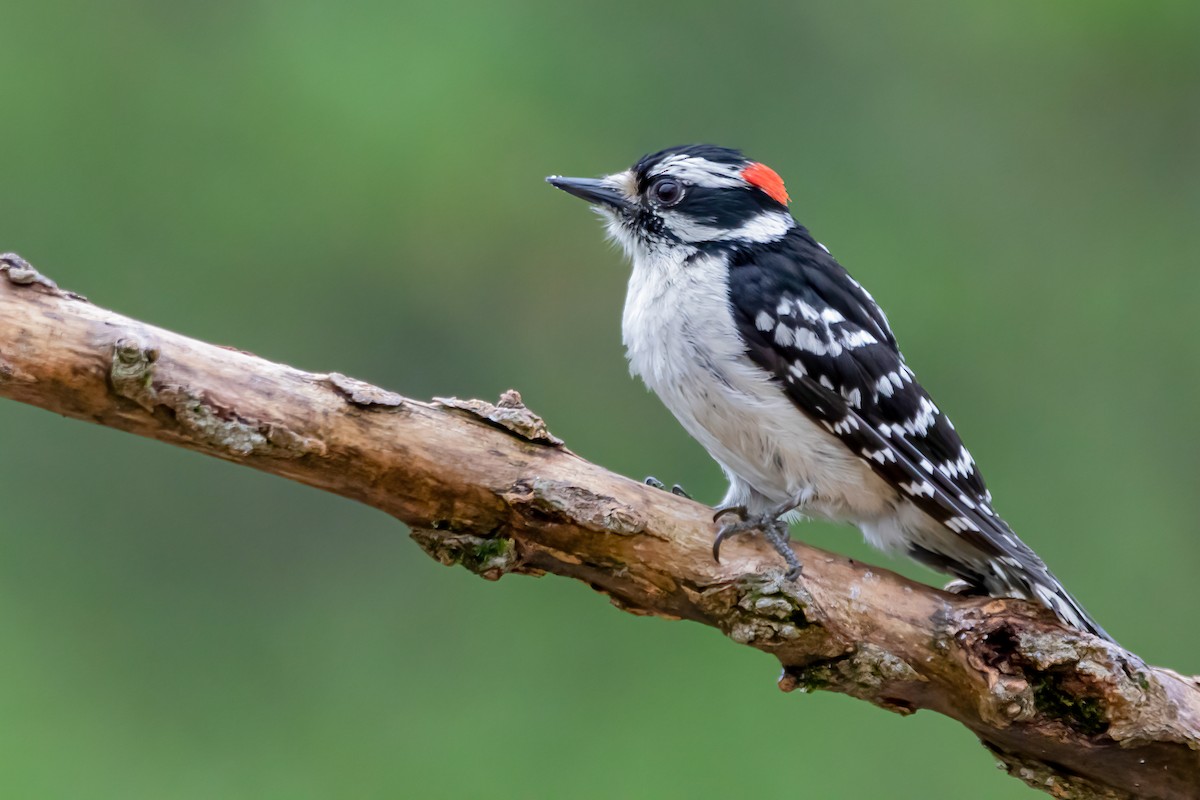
(784, 368)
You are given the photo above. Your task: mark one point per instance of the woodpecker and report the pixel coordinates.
(785, 370)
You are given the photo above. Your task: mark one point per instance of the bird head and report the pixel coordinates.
(694, 197)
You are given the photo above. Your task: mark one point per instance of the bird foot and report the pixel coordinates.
(770, 525)
(676, 489)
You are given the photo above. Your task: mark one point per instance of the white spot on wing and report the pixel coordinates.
(956, 524)
(857, 338)
(812, 343)
(807, 311)
(846, 425)
(922, 489)
(882, 455)
(963, 466)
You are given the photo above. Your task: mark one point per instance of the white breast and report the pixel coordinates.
(681, 340)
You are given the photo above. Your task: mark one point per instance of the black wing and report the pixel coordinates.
(805, 320)
(819, 332)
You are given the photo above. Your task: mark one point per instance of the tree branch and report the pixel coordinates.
(488, 487)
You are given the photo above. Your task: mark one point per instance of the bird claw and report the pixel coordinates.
(721, 536)
(675, 489)
(739, 511)
(772, 527)
(741, 525)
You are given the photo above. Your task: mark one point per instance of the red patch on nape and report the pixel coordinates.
(768, 180)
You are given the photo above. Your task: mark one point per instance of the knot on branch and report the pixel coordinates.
(489, 557)
(363, 394)
(508, 413)
(1068, 680)
(198, 419)
(132, 372)
(762, 610)
(866, 671)
(21, 273)
(770, 613)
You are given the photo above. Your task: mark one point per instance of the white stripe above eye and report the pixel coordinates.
(701, 171)
(765, 227)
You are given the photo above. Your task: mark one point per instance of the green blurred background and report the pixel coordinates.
(358, 187)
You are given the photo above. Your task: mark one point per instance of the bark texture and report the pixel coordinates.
(486, 486)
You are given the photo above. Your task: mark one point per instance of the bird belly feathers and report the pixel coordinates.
(681, 340)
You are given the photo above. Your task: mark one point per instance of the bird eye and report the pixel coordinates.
(667, 192)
